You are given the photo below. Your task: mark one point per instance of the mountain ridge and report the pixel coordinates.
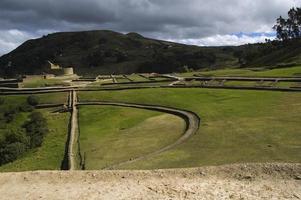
(109, 52)
(105, 52)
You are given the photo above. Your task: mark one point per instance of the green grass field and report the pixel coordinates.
(110, 135)
(12, 101)
(290, 71)
(55, 98)
(41, 82)
(50, 155)
(122, 80)
(237, 126)
(136, 77)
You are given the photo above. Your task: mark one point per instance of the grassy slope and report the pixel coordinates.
(12, 100)
(290, 71)
(53, 97)
(20, 118)
(136, 77)
(43, 98)
(15, 125)
(51, 154)
(110, 52)
(109, 135)
(237, 126)
(41, 82)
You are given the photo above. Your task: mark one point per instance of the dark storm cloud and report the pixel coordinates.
(44, 14)
(140, 15)
(166, 19)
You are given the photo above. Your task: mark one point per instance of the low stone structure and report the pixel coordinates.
(68, 71)
(58, 70)
(10, 83)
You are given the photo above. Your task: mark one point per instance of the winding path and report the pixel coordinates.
(192, 125)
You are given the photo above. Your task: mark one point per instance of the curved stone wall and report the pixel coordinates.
(68, 71)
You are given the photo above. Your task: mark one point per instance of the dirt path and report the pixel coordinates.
(73, 131)
(244, 181)
(192, 125)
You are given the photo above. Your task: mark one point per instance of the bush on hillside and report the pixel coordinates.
(36, 128)
(2, 100)
(15, 136)
(26, 107)
(11, 152)
(32, 100)
(10, 113)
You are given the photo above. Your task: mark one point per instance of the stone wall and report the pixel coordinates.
(68, 71)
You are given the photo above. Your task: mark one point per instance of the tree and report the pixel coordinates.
(11, 152)
(32, 100)
(10, 113)
(289, 28)
(25, 107)
(2, 100)
(36, 128)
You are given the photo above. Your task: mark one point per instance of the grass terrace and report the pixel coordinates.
(237, 126)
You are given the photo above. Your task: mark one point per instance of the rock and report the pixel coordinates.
(247, 177)
(202, 173)
(298, 177)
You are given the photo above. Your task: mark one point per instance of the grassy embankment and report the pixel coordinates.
(39, 81)
(50, 155)
(280, 72)
(110, 135)
(237, 126)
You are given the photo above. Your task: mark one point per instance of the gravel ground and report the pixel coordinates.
(240, 181)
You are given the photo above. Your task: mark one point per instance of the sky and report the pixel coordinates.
(198, 22)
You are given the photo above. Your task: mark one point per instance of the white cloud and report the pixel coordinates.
(10, 39)
(225, 40)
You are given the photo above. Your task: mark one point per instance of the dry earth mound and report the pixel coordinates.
(240, 181)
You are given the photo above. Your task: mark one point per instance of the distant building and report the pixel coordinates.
(53, 66)
(58, 70)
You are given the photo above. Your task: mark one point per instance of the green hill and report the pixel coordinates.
(271, 54)
(110, 52)
(107, 52)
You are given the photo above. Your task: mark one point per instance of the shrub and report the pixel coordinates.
(32, 100)
(25, 108)
(3, 124)
(10, 113)
(36, 129)
(2, 100)
(16, 136)
(11, 152)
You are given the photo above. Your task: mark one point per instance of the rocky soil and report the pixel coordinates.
(239, 181)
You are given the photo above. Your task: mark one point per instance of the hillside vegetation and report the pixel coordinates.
(110, 52)
(21, 128)
(107, 52)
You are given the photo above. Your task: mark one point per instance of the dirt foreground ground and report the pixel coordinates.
(241, 181)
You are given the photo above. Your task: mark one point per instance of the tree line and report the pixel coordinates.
(289, 28)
